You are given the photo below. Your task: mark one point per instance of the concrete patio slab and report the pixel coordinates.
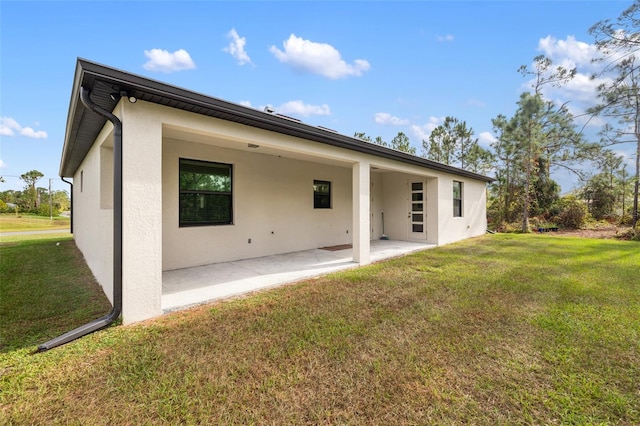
(182, 288)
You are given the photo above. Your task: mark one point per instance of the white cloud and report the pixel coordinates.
(578, 95)
(568, 53)
(388, 119)
(581, 91)
(5, 131)
(582, 88)
(445, 38)
(36, 134)
(485, 139)
(300, 108)
(423, 131)
(2, 164)
(236, 47)
(162, 61)
(586, 121)
(245, 103)
(317, 58)
(10, 127)
(628, 159)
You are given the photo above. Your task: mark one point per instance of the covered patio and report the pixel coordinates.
(186, 287)
(178, 179)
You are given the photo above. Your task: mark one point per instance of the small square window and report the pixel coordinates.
(457, 199)
(321, 194)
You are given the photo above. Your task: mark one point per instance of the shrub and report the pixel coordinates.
(611, 218)
(506, 227)
(629, 235)
(3, 207)
(43, 210)
(536, 221)
(555, 209)
(574, 213)
(626, 219)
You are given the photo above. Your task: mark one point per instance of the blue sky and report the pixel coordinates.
(366, 66)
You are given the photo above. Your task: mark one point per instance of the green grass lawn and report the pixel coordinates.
(46, 289)
(502, 329)
(10, 222)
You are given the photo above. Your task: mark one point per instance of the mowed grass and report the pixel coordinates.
(46, 289)
(502, 329)
(18, 238)
(10, 222)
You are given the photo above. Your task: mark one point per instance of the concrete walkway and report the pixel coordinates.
(182, 288)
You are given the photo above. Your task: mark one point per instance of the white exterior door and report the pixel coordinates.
(417, 210)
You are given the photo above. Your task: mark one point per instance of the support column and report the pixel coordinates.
(142, 212)
(432, 206)
(361, 202)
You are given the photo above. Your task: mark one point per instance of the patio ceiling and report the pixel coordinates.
(186, 135)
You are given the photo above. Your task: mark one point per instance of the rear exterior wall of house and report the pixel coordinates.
(273, 207)
(272, 193)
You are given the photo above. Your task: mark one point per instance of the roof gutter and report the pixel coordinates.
(92, 74)
(112, 316)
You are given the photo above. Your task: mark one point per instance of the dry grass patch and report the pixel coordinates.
(499, 330)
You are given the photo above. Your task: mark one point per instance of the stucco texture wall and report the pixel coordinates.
(273, 208)
(474, 215)
(272, 199)
(93, 220)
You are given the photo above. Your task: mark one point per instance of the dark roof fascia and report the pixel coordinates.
(90, 73)
(75, 98)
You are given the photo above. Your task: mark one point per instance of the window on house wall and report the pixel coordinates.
(457, 199)
(321, 194)
(205, 193)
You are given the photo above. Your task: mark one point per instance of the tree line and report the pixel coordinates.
(543, 135)
(34, 199)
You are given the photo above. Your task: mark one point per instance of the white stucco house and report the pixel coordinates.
(183, 179)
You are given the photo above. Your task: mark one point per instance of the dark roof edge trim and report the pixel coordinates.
(257, 118)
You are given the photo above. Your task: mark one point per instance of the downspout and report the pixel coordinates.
(106, 320)
(70, 204)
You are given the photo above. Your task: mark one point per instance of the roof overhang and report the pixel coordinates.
(83, 126)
